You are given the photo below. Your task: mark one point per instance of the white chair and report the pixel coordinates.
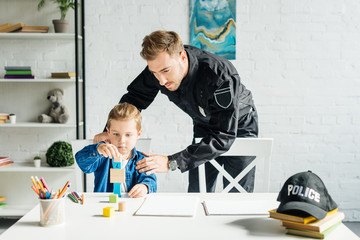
(142, 144)
(261, 148)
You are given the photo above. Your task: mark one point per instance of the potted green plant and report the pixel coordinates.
(37, 161)
(60, 154)
(61, 24)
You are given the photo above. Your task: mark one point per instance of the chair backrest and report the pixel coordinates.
(261, 148)
(142, 144)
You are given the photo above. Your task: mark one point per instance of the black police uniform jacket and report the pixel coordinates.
(213, 96)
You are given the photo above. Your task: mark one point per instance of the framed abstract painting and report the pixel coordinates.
(213, 26)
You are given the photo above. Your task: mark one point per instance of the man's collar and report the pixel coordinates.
(192, 68)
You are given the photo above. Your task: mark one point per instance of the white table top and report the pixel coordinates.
(87, 222)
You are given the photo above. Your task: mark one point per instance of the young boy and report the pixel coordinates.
(124, 128)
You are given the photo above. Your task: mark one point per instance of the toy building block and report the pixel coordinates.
(113, 198)
(108, 212)
(117, 159)
(117, 189)
(117, 175)
(121, 206)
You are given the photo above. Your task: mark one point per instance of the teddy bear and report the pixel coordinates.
(57, 113)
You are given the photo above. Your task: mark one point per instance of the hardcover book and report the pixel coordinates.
(300, 217)
(319, 235)
(34, 29)
(19, 76)
(319, 225)
(5, 25)
(12, 28)
(13, 72)
(17, 68)
(63, 75)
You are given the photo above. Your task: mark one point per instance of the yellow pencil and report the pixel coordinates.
(40, 185)
(34, 183)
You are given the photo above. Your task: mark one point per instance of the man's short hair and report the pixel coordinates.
(160, 41)
(125, 111)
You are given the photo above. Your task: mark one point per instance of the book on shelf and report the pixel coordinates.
(5, 161)
(305, 233)
(12, 28)
(19, 76)
(5, 164)
(22, 72)
(5, 25)
(3, 204)
(63, 75)
(319, 225)
(33, 29)
(17, 68)
(4, 117)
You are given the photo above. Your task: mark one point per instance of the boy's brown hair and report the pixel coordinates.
(160, 41)
(125, 111)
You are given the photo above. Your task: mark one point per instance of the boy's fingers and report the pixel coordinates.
(134, 191)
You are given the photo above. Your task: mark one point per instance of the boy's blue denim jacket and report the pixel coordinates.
(89, 160)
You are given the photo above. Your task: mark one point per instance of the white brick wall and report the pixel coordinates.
(299, 58)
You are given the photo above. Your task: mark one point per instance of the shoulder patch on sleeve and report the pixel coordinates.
(223, 96)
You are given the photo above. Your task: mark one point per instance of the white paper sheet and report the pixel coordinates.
(179, 206)
(231, 207)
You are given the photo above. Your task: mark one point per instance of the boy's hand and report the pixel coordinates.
(139, 190)
(101, 137)
(108, 150)
(153, 164)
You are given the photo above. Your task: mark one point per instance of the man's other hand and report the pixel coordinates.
(101, 137)
(153, 164)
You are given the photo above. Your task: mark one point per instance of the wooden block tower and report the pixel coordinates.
(117, 176)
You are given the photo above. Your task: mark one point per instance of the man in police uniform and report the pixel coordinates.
(207, 88)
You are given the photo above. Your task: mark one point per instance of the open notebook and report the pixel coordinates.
(232, 207)
(177, 206)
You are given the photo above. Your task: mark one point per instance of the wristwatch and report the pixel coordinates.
(173, 165)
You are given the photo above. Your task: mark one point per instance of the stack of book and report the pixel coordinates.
(4, 117)
(305, 225)
(18, 72)
(20, 27)
(69, 75)
(5, 161)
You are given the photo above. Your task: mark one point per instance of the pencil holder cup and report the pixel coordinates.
(52, 212)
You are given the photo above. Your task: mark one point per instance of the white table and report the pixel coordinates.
(86, 222)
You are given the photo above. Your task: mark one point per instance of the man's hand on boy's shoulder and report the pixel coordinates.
(139, 190)
(101, 137)
(108, 150)
(153, 164)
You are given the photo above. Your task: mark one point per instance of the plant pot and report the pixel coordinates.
(37, 163)
(60, 26)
